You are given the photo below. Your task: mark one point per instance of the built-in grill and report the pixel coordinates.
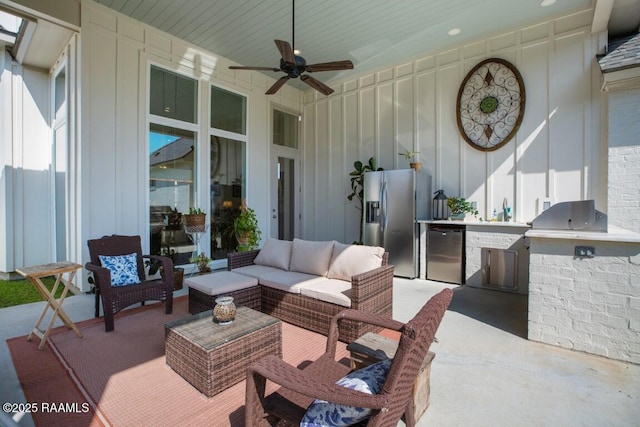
(579, 215)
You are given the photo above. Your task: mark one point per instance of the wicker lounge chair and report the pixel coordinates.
(300, 387)
(115, 298)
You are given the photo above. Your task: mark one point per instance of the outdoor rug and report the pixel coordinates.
(120, 378)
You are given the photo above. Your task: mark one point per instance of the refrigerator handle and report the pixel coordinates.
(384, 206)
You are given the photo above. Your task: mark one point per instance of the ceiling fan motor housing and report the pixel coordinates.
(294, 70)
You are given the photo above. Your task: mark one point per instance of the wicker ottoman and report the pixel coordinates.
(205, 288)
(213, 357)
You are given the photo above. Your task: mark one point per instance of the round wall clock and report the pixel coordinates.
(490, 104)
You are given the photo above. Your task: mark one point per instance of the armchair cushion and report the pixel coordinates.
(311, 257)
(368, 380)
(351, 260)
(123, 269)
(275, 253)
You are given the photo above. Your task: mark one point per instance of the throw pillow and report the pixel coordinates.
(123, 268)
(311, 257)
(349, 260)
(368, 380)
(275, 253)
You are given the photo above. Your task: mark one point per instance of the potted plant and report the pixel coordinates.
(412, 156)
(195, 220)
(202, 262)
(156, 266)
(357, 186)
(459, 208)
(245, 227)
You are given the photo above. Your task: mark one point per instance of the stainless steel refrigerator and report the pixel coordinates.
(393, 201)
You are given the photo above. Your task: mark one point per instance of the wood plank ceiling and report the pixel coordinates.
(371, 33)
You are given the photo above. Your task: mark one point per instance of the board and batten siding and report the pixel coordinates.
(557, 153)
(116, 51)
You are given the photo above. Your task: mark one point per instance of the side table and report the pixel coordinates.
(372, 348)
(58, 269)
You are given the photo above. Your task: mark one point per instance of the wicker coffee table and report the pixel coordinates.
(213, 357)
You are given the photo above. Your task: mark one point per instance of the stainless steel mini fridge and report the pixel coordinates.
(394, 200)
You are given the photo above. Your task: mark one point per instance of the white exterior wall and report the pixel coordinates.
(624, 159)
(25, 163)
(557, 152)
(586, 304)
(116, 51)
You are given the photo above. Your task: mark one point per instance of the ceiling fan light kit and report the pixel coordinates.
(295, 66)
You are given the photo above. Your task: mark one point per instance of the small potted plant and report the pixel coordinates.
(459, 208)
(155, 266)
(202, 262)
(412, 156)
(246, 229)
(195, 220)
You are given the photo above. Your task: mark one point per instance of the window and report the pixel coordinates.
(173, 138)
(228, 111)
(285, 129)
(228, 142)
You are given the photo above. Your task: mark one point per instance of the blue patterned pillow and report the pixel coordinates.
(369, 380)
(124, 269)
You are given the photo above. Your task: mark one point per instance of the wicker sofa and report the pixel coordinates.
(306, 283)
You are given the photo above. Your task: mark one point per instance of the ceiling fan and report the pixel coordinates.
(294, 65)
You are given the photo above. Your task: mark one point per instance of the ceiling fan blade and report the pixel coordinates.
(277, 85)
(237, 67)
(317, 85)
(286, 51)
(330, 66)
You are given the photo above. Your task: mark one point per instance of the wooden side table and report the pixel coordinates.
(372, 348)
(58, 269)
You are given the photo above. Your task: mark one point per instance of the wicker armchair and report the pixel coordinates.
(300, 387)
(115, 299)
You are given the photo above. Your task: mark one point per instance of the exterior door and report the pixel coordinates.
(285, 176)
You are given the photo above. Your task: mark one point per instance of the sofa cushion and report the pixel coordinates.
(368, 380)
(350, 260)
(329, 290)
(289, 281)
(256, 271)
(311, 257)
(221, 282)
(275, 253)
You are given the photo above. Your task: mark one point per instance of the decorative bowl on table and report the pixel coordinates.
(224, 312)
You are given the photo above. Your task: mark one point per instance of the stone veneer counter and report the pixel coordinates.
(586, 303)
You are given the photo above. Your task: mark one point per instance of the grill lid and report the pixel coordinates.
(578, 215)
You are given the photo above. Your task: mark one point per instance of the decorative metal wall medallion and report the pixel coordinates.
(490, 104)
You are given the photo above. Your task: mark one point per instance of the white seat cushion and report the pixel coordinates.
(311, 257)
(256, 271)
(289, 281)
(329, 290)
(220, 282)
(350, 260)
(275, 253)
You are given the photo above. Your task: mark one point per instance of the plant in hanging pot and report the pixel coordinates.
(195, 220)
(245, 227)
(460, 207)
(412, 156)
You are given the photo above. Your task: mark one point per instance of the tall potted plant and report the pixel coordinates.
(357, 186)
(246, 228)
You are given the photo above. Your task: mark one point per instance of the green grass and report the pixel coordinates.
(17, 292)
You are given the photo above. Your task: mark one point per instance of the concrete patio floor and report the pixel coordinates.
(486, 373)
